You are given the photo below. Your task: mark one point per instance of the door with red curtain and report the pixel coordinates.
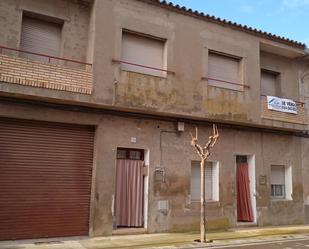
(244, 209)
(129, 194)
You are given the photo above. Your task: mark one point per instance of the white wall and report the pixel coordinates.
(146, 188)
(252, 185)
(288, 183)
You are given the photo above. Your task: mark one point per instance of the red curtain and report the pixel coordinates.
(244, 210)
(129, 193)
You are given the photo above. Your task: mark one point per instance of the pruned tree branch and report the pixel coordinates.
(204, 152)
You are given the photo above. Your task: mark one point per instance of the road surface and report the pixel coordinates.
(283, 244)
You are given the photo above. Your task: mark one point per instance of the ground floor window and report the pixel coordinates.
(281, 182)
(211, 181)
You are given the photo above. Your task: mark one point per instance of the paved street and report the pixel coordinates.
(284, 237)
(288, 244)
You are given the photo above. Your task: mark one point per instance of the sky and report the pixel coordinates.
(288, 18)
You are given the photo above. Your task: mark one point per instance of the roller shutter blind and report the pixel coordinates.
(223, 68)
(40, 36)
(278, 181)
(45, 179)
(278, 174)
(144, 51)
(196, 180)
(268, 84)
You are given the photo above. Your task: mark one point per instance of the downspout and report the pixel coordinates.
(303, 73)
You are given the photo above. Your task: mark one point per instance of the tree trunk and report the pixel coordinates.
(204, 153)
(203, 216)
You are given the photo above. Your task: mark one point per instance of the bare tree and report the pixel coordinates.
(204, 153)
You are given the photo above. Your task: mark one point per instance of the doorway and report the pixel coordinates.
(245, 185)
(130, 187)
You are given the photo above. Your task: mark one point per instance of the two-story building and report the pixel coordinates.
(97, 103)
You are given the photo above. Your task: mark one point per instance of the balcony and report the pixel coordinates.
(51, 73)
(299, 118)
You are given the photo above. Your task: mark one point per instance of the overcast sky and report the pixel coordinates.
(288, 18)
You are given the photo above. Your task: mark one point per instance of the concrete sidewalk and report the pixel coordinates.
(165, 240)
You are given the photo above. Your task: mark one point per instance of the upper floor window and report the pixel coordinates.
(270, 83)
(211, 181)
(40, 36)
(281, 182)
(224, 71)
(144, 51)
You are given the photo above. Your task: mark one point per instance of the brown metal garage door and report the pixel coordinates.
(45, 179)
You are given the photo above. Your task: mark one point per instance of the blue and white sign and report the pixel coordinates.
(281, 105)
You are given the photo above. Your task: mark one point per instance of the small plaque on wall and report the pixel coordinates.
(262, 180)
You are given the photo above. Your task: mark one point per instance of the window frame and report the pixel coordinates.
(287, 187)
(215, 182)
(128, 153)
(47, 19)
(277, 76)
(152, 70)
(223, 83)
(274, 190)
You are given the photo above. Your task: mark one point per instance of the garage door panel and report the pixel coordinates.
(45, 179)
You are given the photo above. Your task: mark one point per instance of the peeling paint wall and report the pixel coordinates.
(75, 28)
(172, 151)
(94, 32)
(188, 42)
(185, 94)
(148, 92)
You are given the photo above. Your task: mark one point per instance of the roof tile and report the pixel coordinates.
(187, 11)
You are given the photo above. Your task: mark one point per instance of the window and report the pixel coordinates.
(281, 182)
(224, 71)
(211, 181)
(40, 36)
(270, 83)
(128, 153)
(145, 51)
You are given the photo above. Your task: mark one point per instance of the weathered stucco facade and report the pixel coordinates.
(122, 105)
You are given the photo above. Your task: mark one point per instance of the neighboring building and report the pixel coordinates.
(100, 140)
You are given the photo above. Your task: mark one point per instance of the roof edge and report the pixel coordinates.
(206, 17)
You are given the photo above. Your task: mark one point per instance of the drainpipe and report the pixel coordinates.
(305, 72)
(302, 75)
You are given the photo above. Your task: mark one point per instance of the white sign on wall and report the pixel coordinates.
(281, 105)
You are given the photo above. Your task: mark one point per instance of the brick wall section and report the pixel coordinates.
(299, 118)
(45, 75)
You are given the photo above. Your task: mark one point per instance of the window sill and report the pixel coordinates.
(207, 202)
(281, 200)
(144, 74)
(227, 88)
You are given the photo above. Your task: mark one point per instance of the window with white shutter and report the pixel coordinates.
(224, 71)
(270, 83)
(40, 36)
(281, 182)
(145, 51)
(211, 181)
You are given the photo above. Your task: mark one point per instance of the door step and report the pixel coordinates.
(246, 224)
(128, 231)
